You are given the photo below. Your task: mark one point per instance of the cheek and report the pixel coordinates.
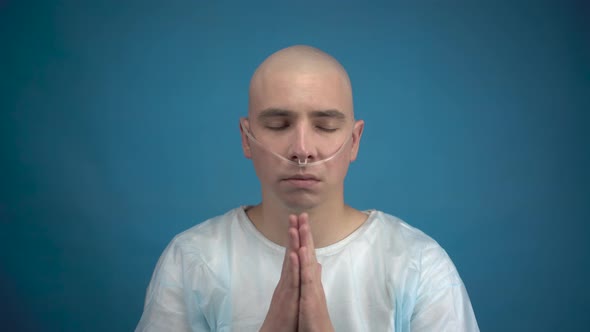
(264, 165)
(339, 168)
(343, 170)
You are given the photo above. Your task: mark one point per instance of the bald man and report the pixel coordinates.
(301, 259)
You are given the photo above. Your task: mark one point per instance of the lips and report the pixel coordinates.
(302, 177)
(303, 181)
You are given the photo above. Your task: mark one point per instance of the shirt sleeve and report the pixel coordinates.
(168, 305)
(442, 303)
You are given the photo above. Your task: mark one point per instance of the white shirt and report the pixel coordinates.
(386, 276)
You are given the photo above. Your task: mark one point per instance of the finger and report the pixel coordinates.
(294, 239)
(293, 220)
(285, 263)
(290, 271)
(294, 262)
(305, 235)
(294, 271)
(292, 246)
(304, 222)
(291, 268)
(306, 268)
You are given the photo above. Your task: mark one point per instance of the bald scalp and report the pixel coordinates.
(296, 60)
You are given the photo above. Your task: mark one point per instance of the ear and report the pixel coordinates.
(245, 143)
(357, 132)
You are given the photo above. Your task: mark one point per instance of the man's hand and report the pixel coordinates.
(283, 313)
(313, 310)
(299, 302)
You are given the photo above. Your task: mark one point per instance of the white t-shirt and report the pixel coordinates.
(386, 276)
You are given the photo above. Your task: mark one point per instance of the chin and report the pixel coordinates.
(300, 204)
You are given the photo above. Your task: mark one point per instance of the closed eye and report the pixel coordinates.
(277, 126)
(326, 129)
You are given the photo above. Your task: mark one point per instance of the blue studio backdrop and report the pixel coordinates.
(119, 129)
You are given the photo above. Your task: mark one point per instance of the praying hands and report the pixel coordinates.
(299, 301)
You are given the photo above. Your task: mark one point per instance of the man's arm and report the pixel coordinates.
(165, 306)
(442, 302)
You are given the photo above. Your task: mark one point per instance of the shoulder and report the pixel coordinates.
(203, 240)
(421, 250)
(407, 243)
(208, 230)
(184, 269)
(400, 234)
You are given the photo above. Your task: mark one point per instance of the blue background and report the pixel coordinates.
(119, 129)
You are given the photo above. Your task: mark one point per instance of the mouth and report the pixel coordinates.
(302, 180)
(302, 177)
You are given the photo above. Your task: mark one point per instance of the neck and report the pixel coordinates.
(330, 222)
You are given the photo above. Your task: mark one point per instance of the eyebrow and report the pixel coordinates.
(278, 112)
(335, 114)
(274, 112)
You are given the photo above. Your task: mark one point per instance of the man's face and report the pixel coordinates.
(302, 116)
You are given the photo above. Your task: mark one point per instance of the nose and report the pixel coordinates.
(301, 147)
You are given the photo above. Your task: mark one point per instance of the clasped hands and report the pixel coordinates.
(299, 302)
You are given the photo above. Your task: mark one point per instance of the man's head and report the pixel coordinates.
(300, 106)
